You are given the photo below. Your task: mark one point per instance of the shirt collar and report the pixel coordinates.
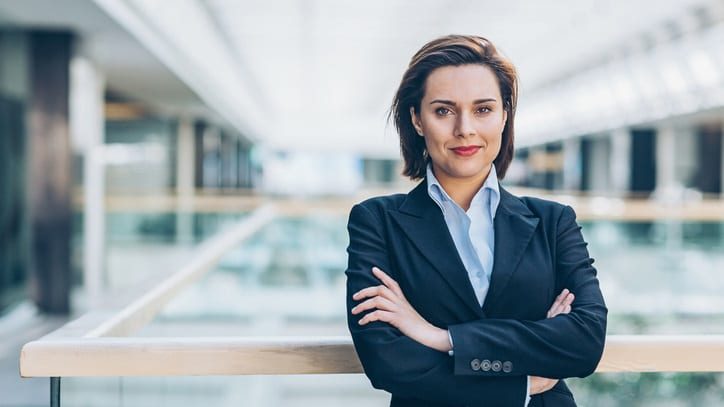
(439, 195)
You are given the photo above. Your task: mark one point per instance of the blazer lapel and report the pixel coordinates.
(423, 223)
(514, 227)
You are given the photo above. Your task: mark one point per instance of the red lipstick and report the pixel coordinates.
(466, 151)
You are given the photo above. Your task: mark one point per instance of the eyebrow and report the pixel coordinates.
(451, 103)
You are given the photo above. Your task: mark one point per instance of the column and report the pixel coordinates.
(721, 157)
(49, 171)
(572, 164)
(185, 163)
(212, 157)
(14, 237)
(686, 155)
(620, 167)
(666, 183)
(643, 159)
(667, 189)
(536, 164)
(228, 160)
(199, 129)
(554, 165)
(242, 160)
(596, 159)
(87, 122)
(709, 176)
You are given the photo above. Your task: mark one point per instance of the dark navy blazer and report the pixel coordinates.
(539, 250)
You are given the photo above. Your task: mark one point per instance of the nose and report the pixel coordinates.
(464, 126)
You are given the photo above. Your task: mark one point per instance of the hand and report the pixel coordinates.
(541, 384)
(561, 305)
(391, 306)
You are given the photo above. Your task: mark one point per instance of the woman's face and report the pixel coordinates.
(462, 119)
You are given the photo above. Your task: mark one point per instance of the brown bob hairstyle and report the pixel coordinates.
(451, 50)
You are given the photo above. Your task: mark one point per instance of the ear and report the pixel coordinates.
(415, 121)
(505, 120)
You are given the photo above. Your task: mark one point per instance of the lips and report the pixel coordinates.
(466, 151)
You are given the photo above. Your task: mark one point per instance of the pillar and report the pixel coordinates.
(643, 159)
(199, 129)
(87, 122)
(620, 168)
(571, 164)
(709, 176)
(228, 160)
(14, 236)
(49, 171)
(667, 187)
(212, 157)
(596, 160)
(185, 163)
(686, 154)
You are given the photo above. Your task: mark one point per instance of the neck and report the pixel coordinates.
(461, 190)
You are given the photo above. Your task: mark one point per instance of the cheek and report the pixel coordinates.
(492, 134)
(436, 135)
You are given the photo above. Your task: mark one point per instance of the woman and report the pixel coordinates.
(451, 288)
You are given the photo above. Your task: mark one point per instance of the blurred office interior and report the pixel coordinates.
(134, 132)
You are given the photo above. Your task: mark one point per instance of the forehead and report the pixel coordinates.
(463, 83)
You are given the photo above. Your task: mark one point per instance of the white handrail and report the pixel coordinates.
(318, 355)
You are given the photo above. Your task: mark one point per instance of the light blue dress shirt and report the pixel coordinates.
(472, 232)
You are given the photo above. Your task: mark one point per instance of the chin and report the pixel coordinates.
(469, 171)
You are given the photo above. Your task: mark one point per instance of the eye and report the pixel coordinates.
(442, 111)
(484, 109)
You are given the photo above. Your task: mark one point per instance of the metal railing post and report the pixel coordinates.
(55, 392)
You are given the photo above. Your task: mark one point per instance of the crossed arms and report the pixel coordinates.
(406, 364)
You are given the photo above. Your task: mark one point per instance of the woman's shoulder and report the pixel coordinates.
(545, 208)
(382, 203)
(374, 210)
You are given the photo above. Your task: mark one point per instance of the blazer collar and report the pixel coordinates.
(418, 203)
(423, 223)
(514, 227)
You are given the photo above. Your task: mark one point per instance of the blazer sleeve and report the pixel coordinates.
(564, 346)
(396, 363)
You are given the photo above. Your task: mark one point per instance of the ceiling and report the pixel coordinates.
(328, 69)
(320, 74)
(129, 68)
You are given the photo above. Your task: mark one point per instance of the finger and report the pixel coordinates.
(555, 307)
(375, 302)
(556, 310)
(373, 291)
(569, 300)
(549, 314)
(564, 299)
(378, 315)
(566, 304)
(366, 292)
(388, 281)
